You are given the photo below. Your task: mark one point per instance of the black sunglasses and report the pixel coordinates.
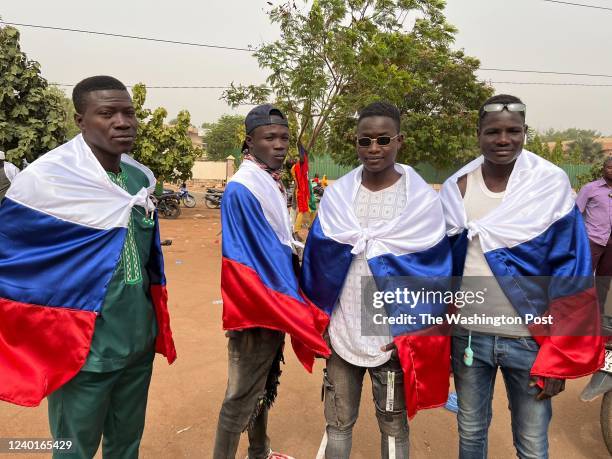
(381, 140)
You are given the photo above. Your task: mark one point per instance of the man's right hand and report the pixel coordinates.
(390, 347)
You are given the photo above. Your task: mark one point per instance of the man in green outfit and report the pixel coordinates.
(108, 397)
(83, 303)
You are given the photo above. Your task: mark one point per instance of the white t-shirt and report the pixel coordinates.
(345, 327)
(479, 201)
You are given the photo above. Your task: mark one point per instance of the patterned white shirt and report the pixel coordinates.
(345, 327)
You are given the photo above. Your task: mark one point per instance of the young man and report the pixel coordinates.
(511, 217)
(261, 297)
(83, 304)
(594, 201)
(8, 172)
(379, 220)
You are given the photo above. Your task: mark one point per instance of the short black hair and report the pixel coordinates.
(499, 99)
(94, 83)
(381, 109)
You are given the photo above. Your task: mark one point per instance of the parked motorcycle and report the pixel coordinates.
(187, 199)
(168, 204)
(601, 384)
(212, 198)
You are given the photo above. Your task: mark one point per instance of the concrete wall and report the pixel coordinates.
(209, 170)
(212, 171)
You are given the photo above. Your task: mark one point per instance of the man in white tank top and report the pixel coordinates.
(501, 134)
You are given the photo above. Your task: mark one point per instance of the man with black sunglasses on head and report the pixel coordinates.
(515, 229)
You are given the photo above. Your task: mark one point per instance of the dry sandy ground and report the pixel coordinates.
(184, 398)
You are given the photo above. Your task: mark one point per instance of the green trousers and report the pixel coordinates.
(95, 405)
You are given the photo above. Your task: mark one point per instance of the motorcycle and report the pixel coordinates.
(187, 198)
(601, 384)
(212, 198)
(168, 204)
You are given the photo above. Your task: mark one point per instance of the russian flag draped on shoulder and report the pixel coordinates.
(10, 170)
(64, 223)
(258, 281)
(537, 230)
(413, 244)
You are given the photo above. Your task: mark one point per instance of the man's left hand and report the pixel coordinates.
(552, 387)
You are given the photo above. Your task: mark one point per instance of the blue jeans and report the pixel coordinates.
(474, 385)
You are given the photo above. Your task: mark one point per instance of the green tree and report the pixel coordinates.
(557, 156)
(534, 144)
(594, 173)
(552, 135)
(224, 136)
(166, 150)
(32, 118)
(585, 149)
(70, 126)
(340, 55)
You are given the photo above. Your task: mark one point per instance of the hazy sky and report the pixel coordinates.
(514, 34)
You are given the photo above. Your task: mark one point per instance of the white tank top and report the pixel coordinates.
(478, 202)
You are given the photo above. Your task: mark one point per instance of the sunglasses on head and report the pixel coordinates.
(512, 107)
(381, 140)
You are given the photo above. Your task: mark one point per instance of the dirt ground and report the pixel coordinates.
(184, 398)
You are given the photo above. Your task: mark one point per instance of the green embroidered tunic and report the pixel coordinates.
(126, 329)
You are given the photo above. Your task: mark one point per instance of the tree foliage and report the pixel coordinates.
(594, 173)
(339, 55)
(585, 149)
(552, 135)
(32, 118)
(166, 150)
(536, 145)
(581, 149)
(70, 126)
(557, 155)
(223, 137)
(581, 144)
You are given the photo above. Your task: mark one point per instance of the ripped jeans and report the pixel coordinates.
(342, 384)
(254, 359)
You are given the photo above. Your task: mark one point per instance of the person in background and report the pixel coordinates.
(595, 203)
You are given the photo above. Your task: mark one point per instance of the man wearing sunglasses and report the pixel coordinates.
(512, 219)
(379, 221)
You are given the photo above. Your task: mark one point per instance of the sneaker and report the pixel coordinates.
(274, 455)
